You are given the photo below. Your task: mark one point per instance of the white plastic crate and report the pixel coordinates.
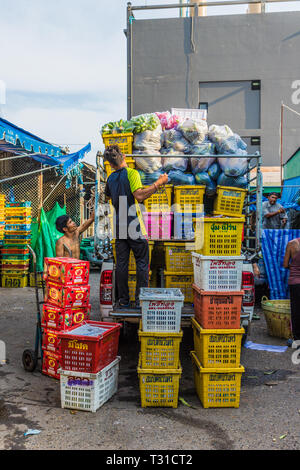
(216, 273)
(161, 309)
(88, 392)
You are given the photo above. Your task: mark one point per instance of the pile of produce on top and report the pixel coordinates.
(163, 135)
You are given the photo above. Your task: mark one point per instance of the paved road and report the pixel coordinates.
(269, 406)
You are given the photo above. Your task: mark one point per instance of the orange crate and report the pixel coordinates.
(218, 310)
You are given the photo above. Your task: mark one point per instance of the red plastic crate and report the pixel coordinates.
(51, 364)
(79, 315)
(57, 318)
(67, 296)
(158, 225)
(89, 353)
(51, 341)
(218, 310)
(67, 271)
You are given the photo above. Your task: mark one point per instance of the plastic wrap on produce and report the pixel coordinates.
(202, 164)
(194, 131)
(168, 120)
(147, 164)
(233, 145)
(204, 180)
(235, 182)
(179, 178)
(218, 133)
(173, 139)
(149, 178)
(214, 171)
(234, 166)
(148, 140)
(173, 163)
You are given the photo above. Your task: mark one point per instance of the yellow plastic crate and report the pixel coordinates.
(13, 262)
(159, 387)
(219, 236)
(183, 281)
(159, 350)
(229, 201)
(217, 348)
(132, 264)
(189, 198)
(14, 280)
(124, 141)
(160, 201)
(177, 257)
(40, 281)
(130, 163)
(132, 284)
(17, 211)
(217, 388)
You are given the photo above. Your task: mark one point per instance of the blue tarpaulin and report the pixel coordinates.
(291, 191)
(18, 141)
(273, 245)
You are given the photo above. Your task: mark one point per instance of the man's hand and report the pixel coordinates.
(163, 179)
(281, 210)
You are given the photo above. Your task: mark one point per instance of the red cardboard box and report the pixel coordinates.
(51, 364)
(67, 271)
(67, 296)
(56, 318)
(80, 314)
(51, 342)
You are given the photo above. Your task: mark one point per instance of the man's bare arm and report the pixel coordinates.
(143, 193)
(83, 227)
(286, 259)
(59, 248)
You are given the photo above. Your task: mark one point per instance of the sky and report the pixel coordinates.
(63, 64)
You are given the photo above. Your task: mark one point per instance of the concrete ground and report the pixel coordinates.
(268, 416)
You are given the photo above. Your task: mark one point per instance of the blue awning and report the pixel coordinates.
(16, 140)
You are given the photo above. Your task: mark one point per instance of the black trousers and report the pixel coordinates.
(295, 310)
(140, 250)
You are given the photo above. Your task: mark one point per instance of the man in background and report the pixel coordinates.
(273, 214)
(68, 246)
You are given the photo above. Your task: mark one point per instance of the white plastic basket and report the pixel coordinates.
(88, 392)
(161, 309)
(216, 273)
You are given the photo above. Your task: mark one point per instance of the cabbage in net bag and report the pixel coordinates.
(194, 131)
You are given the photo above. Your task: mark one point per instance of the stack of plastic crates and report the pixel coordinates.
(217, 331)
(157, 215)
(2, 217)
(89, 365)
(17, 236)
(159, 367)
(179, 268)
(66, 304)
(188, 204)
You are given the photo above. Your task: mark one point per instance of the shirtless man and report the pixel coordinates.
(292, 262)
(68, 246)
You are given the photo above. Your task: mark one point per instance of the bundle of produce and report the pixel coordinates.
(202, 164)
(203, 179)
(214, 171)
(117, 127)
(218, 134)
(145, 122)
(173, 140)
(179, 178)
(173, 163)
(232, 181)
(147, 164)
(168, 120)
(149, 178)
(194, 131)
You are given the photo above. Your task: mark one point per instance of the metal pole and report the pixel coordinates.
(28, 174)
(212, 4)
(129, 61)
(281, 144)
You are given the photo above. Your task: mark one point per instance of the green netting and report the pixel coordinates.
(47, 235)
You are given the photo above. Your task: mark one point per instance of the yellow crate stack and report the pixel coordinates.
(17, 236)
(179, 268)
(2, 216)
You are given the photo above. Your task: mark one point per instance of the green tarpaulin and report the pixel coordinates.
(47, 235)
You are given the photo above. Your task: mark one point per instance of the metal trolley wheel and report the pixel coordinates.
(29, 360)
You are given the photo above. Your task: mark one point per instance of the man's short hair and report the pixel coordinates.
(61, 222)
(113, 155)
(273, 194)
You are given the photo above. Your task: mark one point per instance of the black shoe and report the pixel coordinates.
(289, 342)
(120, 306)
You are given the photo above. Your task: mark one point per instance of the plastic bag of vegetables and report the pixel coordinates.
(147, 164)
(235, 182)
(202, 178)
(149, 178)
(179, 178)
(202, 164)
(232, 145)
(168, 120)
(173, 139)
(214, 171)
(194, 131)
(148, 140)
(174, 163)
(234, 166)
(218, 133)
(145, 122)
(117, 127)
